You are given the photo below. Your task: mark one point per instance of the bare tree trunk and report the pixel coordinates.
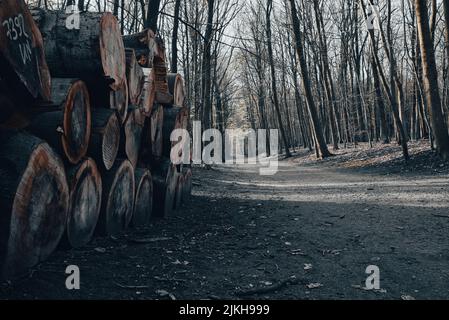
(446, 25)
(174, 44)
(430, 78)
(206, 68)
(388, 89)
(321, 146)
(152, 15)
(273, 78)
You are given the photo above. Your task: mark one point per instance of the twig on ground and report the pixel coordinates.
(269, 289)
(130, 287)
(440, 215)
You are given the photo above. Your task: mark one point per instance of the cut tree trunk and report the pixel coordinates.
(93, 53)
(144, 45)
(104, 97)
(152, 137)
(187, 189)
(118, 199)
(68, 129)
(174, 118)
(143, 206)
(160, 70)
(22, 58)
(85, 203)
(165, 178)
(176, 88)
(430, 81)
(132, 135)
(105, 139)
(148, 96)
(34, 201)
(135, 77)
(11, 116)
(179, 190)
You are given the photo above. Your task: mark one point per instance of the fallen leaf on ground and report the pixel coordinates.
(150, 240)
(314, 285)
(165, 293)
(297, 252)
(308, 266)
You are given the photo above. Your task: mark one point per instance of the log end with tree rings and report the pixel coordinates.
(176, 88)
(134, 76)
(22, 56)
(143, 206)
(92, 51)
(85, 203)
(144, 45)
(11, 117)
(148, 96)
(163, 95)
(165, 178)
(112, 51)
(151, 143)
(119, 100)
(179, 191)
(156, 133)
(76, 122)
(34, 202)
(133, 129)
(68, 129)
(174, 118)
(105, 139)
(187, 188)
(118, 199)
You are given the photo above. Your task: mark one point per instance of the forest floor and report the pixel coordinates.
(308, 232)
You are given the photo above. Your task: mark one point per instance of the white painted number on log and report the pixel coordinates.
(15, 28)
(73, 280)
(15, 31)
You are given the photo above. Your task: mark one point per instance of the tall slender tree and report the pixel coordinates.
(430, 79)
(321, 146)
(273, 78)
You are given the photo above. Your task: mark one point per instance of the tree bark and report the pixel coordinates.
(152, 139)
(143, 206)
(176, 88)
(152, 14)
(187, 189)
(388, 90)
(206, 68)
(430, 79)
(132, 136)
(316, 126)
(94, 53)
(273, 78)
(148, 96)
(68, 129)
(85, 186)
(23, 64)
(174, 42)
(165, 178)
(135, 77)
(105, 139)
(174, 118)
(117, 200)
(34, 201)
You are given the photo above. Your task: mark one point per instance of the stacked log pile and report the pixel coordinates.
(86, 150)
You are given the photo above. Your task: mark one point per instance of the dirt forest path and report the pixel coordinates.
(308, 232)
